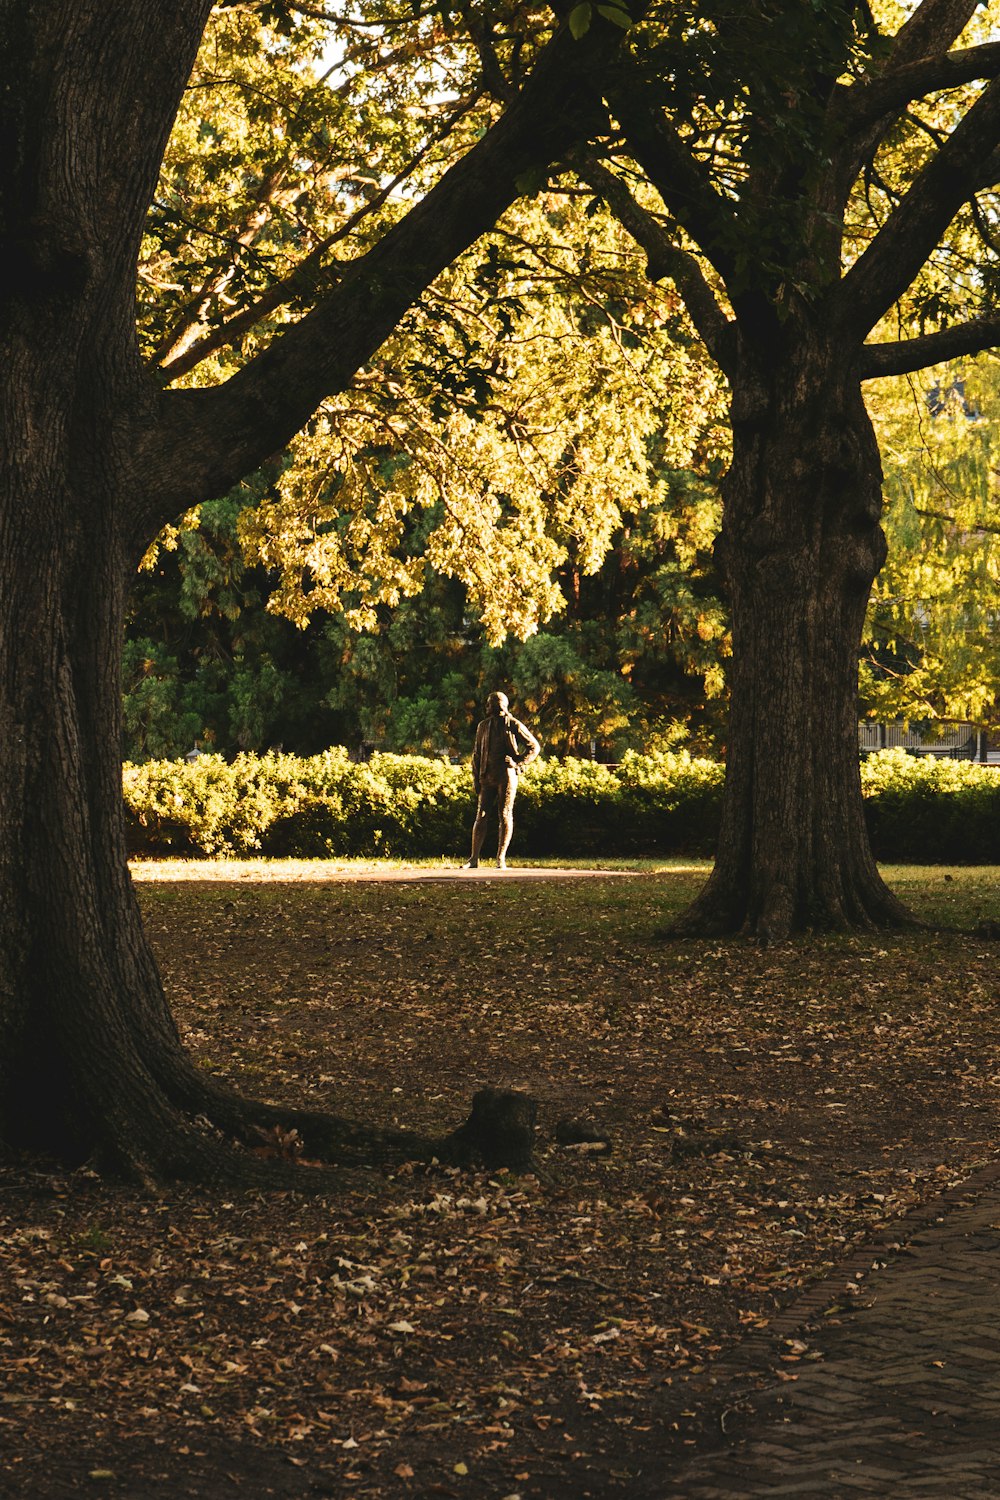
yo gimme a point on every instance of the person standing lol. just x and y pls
(503, 746)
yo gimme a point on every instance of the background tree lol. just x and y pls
(932, 645)
(634, 658)
(800, 174)
(498, 438)
(592, 674)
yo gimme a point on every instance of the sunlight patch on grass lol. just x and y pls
(373, 869)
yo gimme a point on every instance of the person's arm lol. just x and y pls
(477, 759)
(525, 734)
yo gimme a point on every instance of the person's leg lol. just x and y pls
(505, 805)
(478, 829)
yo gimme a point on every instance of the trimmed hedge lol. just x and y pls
(407, 806)
(928, 811)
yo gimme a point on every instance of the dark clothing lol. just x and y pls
(498, 743)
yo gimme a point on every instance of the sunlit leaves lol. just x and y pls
(523, 410)
(934, 621)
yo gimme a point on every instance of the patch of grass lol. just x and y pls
(956, 895)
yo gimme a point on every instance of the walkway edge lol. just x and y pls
(758, 1350)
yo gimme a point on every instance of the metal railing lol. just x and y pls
(959, 742)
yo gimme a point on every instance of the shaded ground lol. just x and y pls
(459, 1334)
(893, 1391)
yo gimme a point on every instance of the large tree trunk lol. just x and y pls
(90, 1061)
(800, 548)
(73, 1074)
(91, 1064)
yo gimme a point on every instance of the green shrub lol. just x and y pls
(407, 806)
(929, 811)
(280, 805)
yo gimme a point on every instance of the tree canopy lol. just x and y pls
(472, 413)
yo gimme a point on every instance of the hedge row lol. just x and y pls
(408, 806)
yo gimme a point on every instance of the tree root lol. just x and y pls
(723, 911)
(238, 1142)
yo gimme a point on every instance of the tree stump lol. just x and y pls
(500, 1132)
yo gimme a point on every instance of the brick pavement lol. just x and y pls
(896, 1392)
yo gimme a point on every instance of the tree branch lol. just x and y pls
(666, 259)
(680, 180)
(932, 28)
(928, 34)
(985, 528)
(312, 272)
(907, 355)
(989, 173)
(881, 275)
(192, 315)
(201, 442)
(861, 105)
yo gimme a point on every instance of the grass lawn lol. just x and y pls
(436, 1332)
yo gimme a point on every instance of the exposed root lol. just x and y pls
(328, 1137)
(726, 909)
(498, 1132)
(237, 1142)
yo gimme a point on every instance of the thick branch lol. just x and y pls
(927, 35)
(989, 173)
(864, 104)
(666, 259)
(680, 180)
(931, 349)
(881, 275)
(931, 29)
(204, 441)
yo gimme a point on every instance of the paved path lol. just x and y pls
(490, 872)
(904, 1398)
(250, 870)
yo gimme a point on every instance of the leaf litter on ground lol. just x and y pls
(435, 1331)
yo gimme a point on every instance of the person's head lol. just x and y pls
(496, 703)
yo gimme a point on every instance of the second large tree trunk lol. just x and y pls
(800, 548)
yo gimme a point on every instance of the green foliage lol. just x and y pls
(535, 449)
(924, 809)
(204, 659)
(520, 451)
(634, 658)
(282, 805)
(668, 803)
(933, 634)
(407, 806)
(510, 431)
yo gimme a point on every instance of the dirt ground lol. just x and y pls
(755, 1114)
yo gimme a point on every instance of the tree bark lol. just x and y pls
(800, 547)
